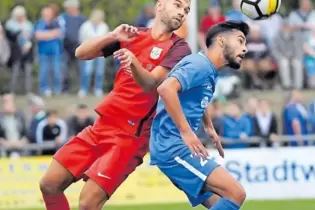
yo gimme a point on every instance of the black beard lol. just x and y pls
(228, 55)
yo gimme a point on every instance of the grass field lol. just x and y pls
(250, 205)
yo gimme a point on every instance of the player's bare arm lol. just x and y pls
(208, 126)
(168, 92)
(148, 81)
(92, 48)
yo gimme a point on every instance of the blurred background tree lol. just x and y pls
(117, 11)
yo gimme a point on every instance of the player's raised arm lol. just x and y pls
(182, 79)
(106, 45)
(149, 81)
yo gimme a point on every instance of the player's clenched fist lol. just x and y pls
(125, 57)
(194, 144)
(125, 33)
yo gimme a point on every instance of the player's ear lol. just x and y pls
(159, 5)
(220, 41)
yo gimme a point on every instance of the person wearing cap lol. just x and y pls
(22, 55)
(212, 17)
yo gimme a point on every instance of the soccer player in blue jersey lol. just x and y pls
(184, 97)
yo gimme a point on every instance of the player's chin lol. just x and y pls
(236, 64)
(176, 25)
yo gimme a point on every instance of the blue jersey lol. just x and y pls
(197, 76)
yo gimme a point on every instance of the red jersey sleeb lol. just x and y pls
(115, 145)
(127, 104)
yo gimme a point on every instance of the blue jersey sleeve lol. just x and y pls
(39, 26)
(190, 74)
(292, 114)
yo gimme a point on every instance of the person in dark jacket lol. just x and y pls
(80, 120)
(265, 123)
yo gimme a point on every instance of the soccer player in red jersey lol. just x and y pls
(107, 152)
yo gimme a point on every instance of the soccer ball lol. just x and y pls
(260, 9)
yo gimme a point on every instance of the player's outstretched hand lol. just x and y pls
(216, 141)
(124, 56)
(125, 33)
(194, 144)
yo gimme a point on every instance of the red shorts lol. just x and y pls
(103, 152)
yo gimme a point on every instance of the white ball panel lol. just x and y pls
(249, 10)
(263, 6)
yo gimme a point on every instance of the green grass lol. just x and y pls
(250, 205)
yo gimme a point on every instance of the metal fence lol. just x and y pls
(37, 149)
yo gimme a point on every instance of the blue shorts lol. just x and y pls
(189, 174)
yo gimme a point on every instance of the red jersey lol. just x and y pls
(207, 22)
(127, 104)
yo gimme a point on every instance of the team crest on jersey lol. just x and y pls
(156, 53)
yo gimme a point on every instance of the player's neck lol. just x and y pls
(216, 59)
(160, 32)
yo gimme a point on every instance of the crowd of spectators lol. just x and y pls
(36, 125)
(279, 47)
(51, 42)
(235, 123)
(255, 119)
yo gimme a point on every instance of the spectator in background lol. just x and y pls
(12, 126)
(311, 114)
(251, 110)
(235, 13)
(70, 23)
(288, 53)
(94, 27)
(212, 17)
(309, 60)
(295, 119)
(216, 118)
(146, 17)
(36, 106)
(80, 120)
(4, 46)
(257, 61)
(270, 27)
(235, 127)
(265, 123)
(22, 28)
(51, 129)
(302, 20)
(48, 35)
(252, 107)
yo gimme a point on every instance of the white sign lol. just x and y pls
(267, 174)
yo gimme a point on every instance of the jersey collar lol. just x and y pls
(203, 54)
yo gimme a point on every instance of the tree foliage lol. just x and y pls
(117, 11)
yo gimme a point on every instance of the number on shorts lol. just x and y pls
(203, 161)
